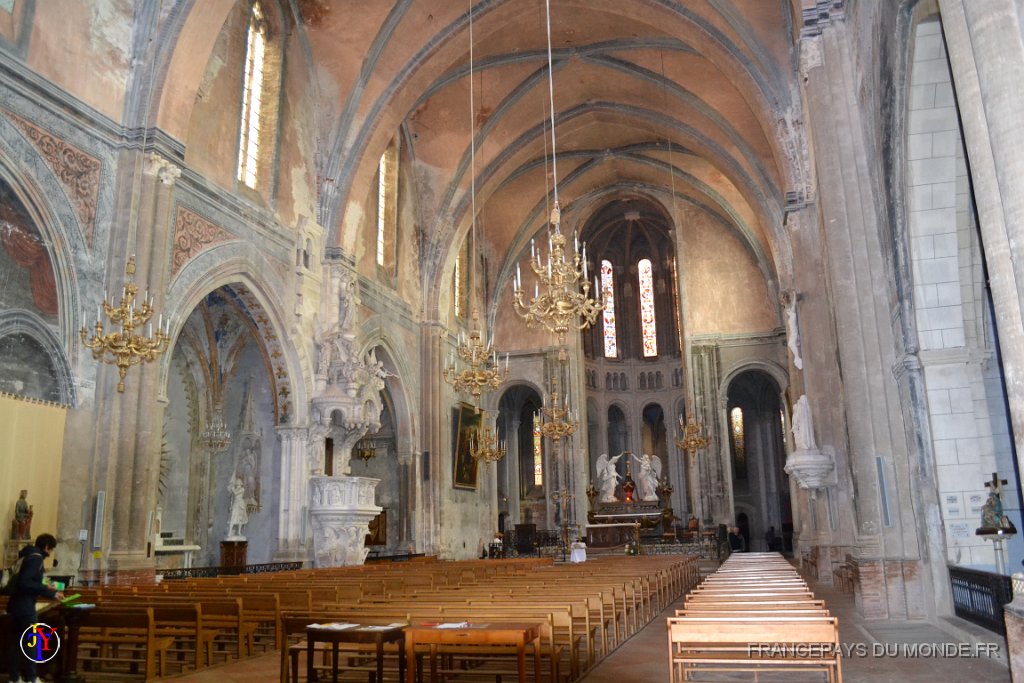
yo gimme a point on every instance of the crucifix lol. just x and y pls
(996, 484)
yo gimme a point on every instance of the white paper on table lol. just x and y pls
(458, 624)
(333, 626)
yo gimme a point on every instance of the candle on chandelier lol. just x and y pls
(575, 241)
(533, 250)
(97, 313)
(519, 277)
(506, 363)
(536, 290)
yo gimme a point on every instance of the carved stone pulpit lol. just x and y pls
(340, 512)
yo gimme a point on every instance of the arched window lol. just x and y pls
(252, 97)
(611, 347)
(387, 207)
(738, 442)
(457, 287)
(538, 452)
(646, 282)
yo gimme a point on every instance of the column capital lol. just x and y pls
(156, 165)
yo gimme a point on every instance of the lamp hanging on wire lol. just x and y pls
(561, 294)
(483, 371)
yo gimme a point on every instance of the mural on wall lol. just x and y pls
(28, 306)
(226, 373)
(25, 268)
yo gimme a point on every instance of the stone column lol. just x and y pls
(294, 494)
(512, 458)
(141, 412)
(987, 60)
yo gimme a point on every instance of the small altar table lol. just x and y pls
(472, 633)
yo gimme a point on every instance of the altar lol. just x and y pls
(609, 535)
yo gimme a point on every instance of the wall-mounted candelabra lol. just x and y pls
(124, 348)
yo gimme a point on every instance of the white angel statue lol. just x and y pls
(608, 476)
(647, 477)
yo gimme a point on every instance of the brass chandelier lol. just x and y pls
(483, 372)
(124, 348)
(557, 420)
(692, 436)
(561, 294)
(485, 445)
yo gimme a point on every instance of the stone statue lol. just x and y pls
(608, 477)
(992, 512)
(346, 301)
(803, 429)
(647, 476)
(789, 299)
(21, 525)
(238, 516)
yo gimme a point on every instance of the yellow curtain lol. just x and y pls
(31, 447)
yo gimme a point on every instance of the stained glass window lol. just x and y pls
(538, 453)
(738, 442)
(252, 97)
(647, 323)
(611, 347)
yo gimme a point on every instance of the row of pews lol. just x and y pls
(584, 611)
(754, 614)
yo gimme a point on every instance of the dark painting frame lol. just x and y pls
(466, 421)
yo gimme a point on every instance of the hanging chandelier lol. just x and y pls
(561, 293)
(485, 446)
(216, 436)
(557, 421)
(483, 372)
(365, 449)
(692, 436)
(123, 347)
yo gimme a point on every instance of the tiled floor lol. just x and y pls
(880, 652)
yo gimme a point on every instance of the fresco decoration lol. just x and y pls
(77, 171)
(274, 358)
(26, 271)
(26, 369)
(193, 234)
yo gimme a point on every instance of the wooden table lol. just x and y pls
(377, 634)
(516, 634)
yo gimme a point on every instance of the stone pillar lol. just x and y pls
(512, 460)
(987, 60)
(340, 512)
(140, 408)
(294, 494)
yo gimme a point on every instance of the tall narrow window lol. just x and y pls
(739, 447)
(650, 334)
(252, 97)
(538, 453)
(387, 209)
(459, 313)
(611, 347)
(382, 206)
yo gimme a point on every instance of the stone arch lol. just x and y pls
(26, 323)
(206, 273)
(43, 197)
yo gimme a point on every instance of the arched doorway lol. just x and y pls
(757, 456)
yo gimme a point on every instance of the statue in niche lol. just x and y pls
(789, 299)
(21, 525)
(608, 476)
(238, 516)
(647, 476)
(803, 429)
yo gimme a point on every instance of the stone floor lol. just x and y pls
(879, 652)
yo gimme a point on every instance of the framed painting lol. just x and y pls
(465, 420)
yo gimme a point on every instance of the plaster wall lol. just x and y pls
(84, 47)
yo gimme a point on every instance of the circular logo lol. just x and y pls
(40, 643)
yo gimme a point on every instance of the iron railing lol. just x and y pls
(979, 597)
